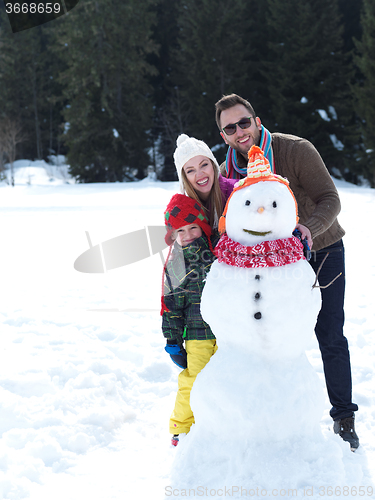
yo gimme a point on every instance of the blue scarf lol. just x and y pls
(233, 171)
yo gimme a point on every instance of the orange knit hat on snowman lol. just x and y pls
(258, 170)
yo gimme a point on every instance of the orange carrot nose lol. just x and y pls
(261, 209)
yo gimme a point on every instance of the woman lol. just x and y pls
(199, 176)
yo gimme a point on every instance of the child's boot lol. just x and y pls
(175, 439)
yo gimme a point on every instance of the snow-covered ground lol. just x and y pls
(86, 389)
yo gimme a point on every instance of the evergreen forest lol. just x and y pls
(111, 84)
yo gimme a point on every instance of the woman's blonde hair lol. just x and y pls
(214, 205)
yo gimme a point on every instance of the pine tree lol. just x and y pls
(104, 46)
(166, 123)
(364, 90)
(308, 76)
(350, 10)
(215, 55)
(28, 87)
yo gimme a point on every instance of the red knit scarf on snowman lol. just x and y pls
(266, 254)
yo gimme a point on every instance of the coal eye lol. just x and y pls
(247, 202)
(274, 204)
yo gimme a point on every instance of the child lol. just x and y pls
(185, 271)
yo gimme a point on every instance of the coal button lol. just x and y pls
(257, 315)
(257, 296)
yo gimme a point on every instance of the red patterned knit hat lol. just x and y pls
(182, 211)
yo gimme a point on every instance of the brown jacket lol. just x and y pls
(316, 195)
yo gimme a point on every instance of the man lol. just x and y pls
(318, 204)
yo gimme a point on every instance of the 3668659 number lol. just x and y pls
(33, 8)
(346, 491)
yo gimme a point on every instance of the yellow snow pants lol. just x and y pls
(199, 353)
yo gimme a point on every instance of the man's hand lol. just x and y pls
(305, 233)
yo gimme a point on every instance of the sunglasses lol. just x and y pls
(232, 127)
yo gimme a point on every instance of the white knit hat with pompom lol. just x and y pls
(187, 148)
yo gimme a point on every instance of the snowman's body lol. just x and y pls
(261, 352)
(261, 304)
(259, 390)
(255, 315)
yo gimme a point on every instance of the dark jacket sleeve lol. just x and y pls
(173, 322)
(317, 196)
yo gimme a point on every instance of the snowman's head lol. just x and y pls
(261, 212)
(261, 207)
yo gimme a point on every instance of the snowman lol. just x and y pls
(258, 398)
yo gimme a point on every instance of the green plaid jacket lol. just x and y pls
(184, 281)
